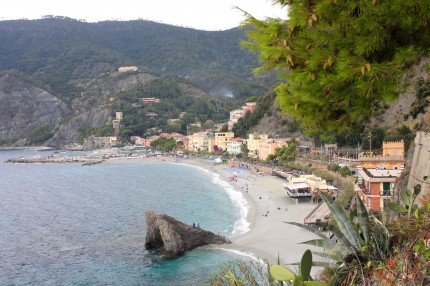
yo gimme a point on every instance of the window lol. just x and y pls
(386, 189)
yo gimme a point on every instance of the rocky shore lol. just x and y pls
(53, 159)
(173, 238)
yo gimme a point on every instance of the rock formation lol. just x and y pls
(173, 238)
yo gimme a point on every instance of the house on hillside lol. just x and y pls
(149, 100)
(200, 141)
(127, 69)
(236, 114)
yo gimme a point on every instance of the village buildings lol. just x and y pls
(268, 147)
(253, 143)
(222, 139)
(392, 157)
(234, 147)
(236, 114)
(377, 174)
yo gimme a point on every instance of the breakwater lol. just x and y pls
(55, 159)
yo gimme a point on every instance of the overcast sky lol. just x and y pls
(199, 14)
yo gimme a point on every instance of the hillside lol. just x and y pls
(31, 115)
(59, 78)
(59, 52)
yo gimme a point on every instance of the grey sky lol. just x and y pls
(200, 14)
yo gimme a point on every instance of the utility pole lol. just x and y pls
(370, 141)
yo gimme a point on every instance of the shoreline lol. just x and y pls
(269, 207)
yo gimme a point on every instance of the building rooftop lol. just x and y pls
(380, 173)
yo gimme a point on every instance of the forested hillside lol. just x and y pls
(61, 52)
(77, 63)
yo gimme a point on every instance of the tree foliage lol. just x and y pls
(339, 60)
(164, 144)
(251, 119)
(40, 134)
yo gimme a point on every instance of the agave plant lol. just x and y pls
(284, 274)
(361, 240)
(408, 198)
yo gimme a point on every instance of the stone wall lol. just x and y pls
(420, 166)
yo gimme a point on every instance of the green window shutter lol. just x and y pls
(386, 189)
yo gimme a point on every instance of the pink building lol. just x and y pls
(268, 147)
(236, 114)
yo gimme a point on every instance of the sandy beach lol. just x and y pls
(269, 208)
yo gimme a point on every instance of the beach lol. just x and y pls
(269, 208)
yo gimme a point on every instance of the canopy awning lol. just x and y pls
(296, 186)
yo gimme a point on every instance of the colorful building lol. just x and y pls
(376, 186)
(234, 147)
(236, 114)
(222, 139)
(200, 141)
(268, 147)
(392, 158)
(253, 143)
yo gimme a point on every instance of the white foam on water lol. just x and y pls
(241, 226)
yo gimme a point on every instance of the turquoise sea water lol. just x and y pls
(67, 224)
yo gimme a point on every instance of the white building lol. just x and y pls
(234, 147)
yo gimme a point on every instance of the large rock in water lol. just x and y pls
(173, 238)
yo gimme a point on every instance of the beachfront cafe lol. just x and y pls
(299, 190)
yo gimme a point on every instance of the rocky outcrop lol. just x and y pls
(173, 238)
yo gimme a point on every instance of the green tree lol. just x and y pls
(209, 124)
(224, 128)
(252, 99)
(339, 60)
(287, 153)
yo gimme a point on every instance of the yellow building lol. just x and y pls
(392, 158)
(200, 141)
(395, 148)
(222, 138)
(253, 143)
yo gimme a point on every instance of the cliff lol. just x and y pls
(24, 107)
(173, 238)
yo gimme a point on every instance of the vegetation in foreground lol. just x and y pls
(370, 249)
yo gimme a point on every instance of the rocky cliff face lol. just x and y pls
(25, 107)
(173, 238)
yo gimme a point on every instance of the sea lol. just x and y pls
(67, 224)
